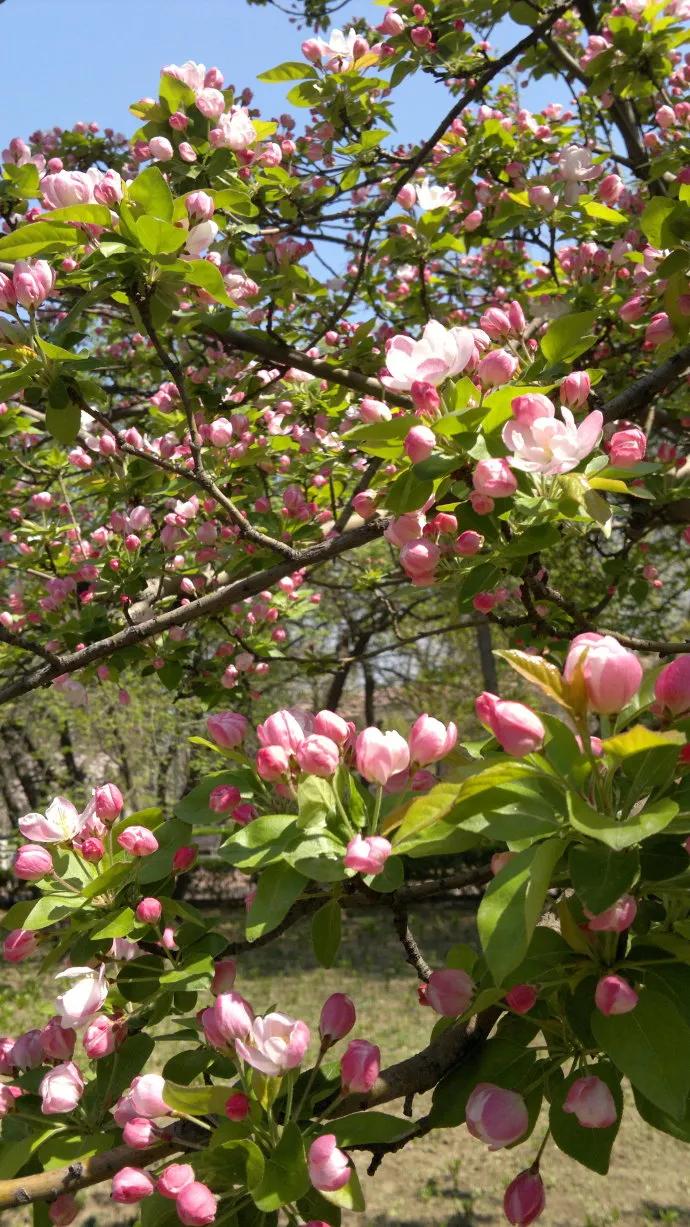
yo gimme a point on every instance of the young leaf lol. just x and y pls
(512, 905)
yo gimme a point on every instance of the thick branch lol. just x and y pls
(637, 395)
(46, 1186)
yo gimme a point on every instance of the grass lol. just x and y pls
(446, 1179)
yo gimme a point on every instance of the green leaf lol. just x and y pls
(292, 70)
(591, 1147)
(279, 887)
(13, 1155)
(63, 424)
(205, 274)
(407, 493)
(114, 1073)
(656, 221)
(159, 237)
(315, 801)
(600, 876)
(370, 1127)
(676, 1127)
(286, 1176)
(12, 382)
(39, 239)
(197, 1100)
(261, 842)
(624, 834)
(39, 913)
(603, 213)
(512, 905)
(326, 930)
(638, 739)
(119, 925)
(651, 1046)
(93, 214)
(423, 812)
(151, 191)
(568, 336)
(537, 671)
(139, 979)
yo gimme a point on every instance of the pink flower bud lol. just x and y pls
(575, 389)
(92, 849)
(517, 317)
(659, 330)
(499, 860)
(130, 1185)
(515, 726)
(184, 858)
(612, 674)
(148, 911)
(223, 798)
(58, 1041)
(174, 1179)
(419, 443)
(200, 206)
(522, 997)
(329, 724)
(497, 367)
(272, 762)
(496, 1116)
(610, 189)
(237, 1107)
(368, 854)
(364, 503)
(32, 862)
(109, 802)
(359, 1066)
(496, 323)
(614, 995)
(407, 195)
(318, 755)
(338, 1017)
(33, 281)
(371, 410)
(616, 919)
(627, 447)
(425, 397)
(468, 543)
(63, 1210)
(227, 728)
(224, 975)
(27, 1050)
(541, 197)
(139, 1133)
(430, 740)
(19, 945)
(139, 841)
(449, 991)
(196, 1205)
(232, 1016)
(524, 1199)
(61, 1089)
(147, 1096)
(419, 559)
(591, 1101)
(672, 686)
(380, 755)
(329, 1168)
(161, 149)
(494, 478)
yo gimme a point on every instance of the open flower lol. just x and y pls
(548, 445)
(276, 1044)
(441, 353)
(431, 196)
(86, 991)
(60, 823)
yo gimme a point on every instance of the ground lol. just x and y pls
(447, 1179)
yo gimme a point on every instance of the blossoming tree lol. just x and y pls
(249, 361)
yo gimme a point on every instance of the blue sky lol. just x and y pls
(91, 58)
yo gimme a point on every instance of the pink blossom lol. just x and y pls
(591, 1101)
(440, 354)
(494, 478)
(359, 1066)
(318, 755)
(367, 854)
(61, 1089)
(137, 840)
(196, 1205)
(338, 1017)
(430, 740)
(276, 1044)
(524, 1199)
(131, 1185)
(173, 1179)
(449, 991)
(613, 995)
(84, 995)
(59, 824)
(549, 445)
(380, 755)
(515, 726)
(672, 686)
(495, 1115)
(329, 1168)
